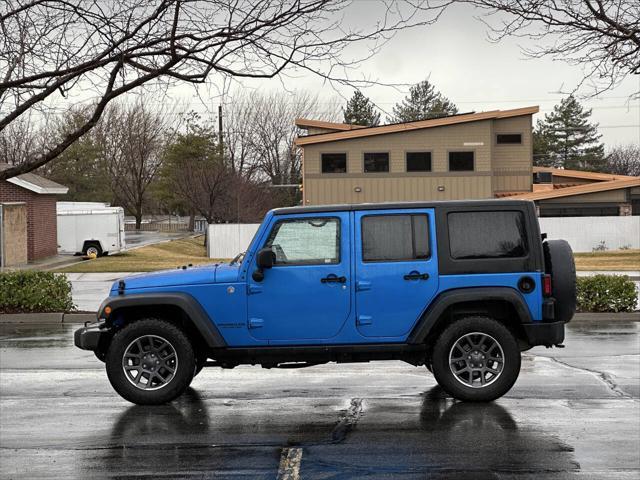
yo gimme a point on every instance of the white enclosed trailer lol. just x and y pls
(90, 228)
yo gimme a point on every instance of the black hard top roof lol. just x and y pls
(492, 203)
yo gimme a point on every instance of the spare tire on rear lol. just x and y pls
(559, 264)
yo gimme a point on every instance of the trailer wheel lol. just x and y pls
(92, 249)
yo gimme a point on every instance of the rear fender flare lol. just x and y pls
(190, 306)
(449, 298)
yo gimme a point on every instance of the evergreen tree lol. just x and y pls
(566, 138)
(423, 102)
(361, 111)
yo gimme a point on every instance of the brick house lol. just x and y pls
(39, 194)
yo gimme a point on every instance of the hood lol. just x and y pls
(179, 277)
(226, 273)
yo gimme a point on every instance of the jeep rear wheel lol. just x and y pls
(150, 362)
(476, 359)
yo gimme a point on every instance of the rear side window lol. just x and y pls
(389, 238)
(306, 241)
(487, 235)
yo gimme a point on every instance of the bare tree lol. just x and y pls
(132, 139)
(602, 36)
(624, 160)
(274, 132)
(51, 50)
(21, 141)
(238, 135)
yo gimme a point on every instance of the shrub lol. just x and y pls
(31, 291)
(606, 293)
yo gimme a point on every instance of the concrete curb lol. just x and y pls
(78, 317)
(31, 317)
(46, 318)
(622, 316)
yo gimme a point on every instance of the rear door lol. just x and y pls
(396, 269)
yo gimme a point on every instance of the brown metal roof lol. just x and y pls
(508, 194)
(306, 123)
(579, 190)
(408, 126)
(596, 176)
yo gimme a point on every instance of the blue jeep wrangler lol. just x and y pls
(459, 287)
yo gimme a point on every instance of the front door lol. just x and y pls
(396, 269)
(305, 295)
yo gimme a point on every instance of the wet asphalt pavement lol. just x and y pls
(574, 413)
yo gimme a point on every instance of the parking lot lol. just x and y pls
(572, 414)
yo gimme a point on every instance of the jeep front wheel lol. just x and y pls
(476, 359)
(150, 362)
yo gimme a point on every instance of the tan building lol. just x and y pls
(468, 156)
(460, 157)
(573, 193)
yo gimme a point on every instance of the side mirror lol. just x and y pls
(264, 259)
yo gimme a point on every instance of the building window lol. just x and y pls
(509, 139)
(461, 161)
(487, 235)
(418, 161)
(394, 238)
(376, 162)
(334, 163)
(306, 241)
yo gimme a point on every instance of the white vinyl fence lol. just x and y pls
(226, 240)
(586, 233)
(583, 234)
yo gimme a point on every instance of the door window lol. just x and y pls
(389, 238)
(306, 241)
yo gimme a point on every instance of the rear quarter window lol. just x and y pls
(497, 234)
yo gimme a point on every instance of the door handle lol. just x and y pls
(416, 276)
(333, 279)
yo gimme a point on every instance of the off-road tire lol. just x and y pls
(200, 361)
(489, 327)
(185, 361)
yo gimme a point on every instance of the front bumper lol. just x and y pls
(544, 333)
(92, 336)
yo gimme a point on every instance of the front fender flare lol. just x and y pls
(461, 295)
(188, 304)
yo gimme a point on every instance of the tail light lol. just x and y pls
(546, 285)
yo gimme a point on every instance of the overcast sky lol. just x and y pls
(470, 70)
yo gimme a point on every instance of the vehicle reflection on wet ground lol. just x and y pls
(572, 414)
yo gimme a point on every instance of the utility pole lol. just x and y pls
(220, 146)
